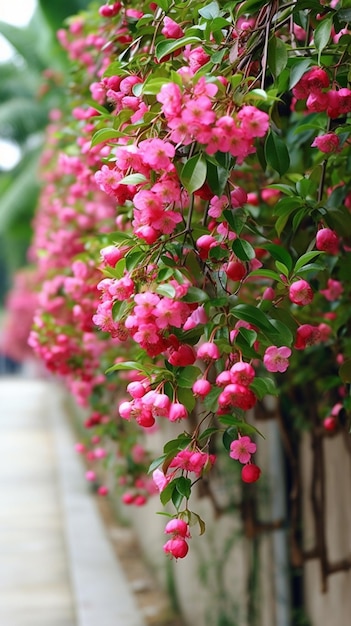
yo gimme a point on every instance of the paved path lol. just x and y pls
(57, 567)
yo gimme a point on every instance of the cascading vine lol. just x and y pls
(193, 237)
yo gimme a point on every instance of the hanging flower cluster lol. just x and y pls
(193, 234)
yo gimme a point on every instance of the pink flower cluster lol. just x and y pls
(236, 391)
(314, 87)
(177, 546)
(191, 116)
(146, 405)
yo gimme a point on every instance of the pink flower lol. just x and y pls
(157, 153)
(307, 335)
(301, 293)
(333, 291)
(242, 448)
(327, 143)
(254, 122)
(242, 373)
(170, 97)
(237, 395)
(276, 359)
(161, 481)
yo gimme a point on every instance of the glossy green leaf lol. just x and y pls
(104, 134)
(128, 366)
(279, 254)
(193, 174)
(276, 153)
(166, 290)
(322, 33)
(133, 179)
(186, 376)
(194, 294)
(277, 56)
(306, 258)
(243, 250)
(252, 315)
(167, 46)
(298, 69)
(210, 11)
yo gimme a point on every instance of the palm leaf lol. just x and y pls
(25, 43)
(20, 117)
(19, 199)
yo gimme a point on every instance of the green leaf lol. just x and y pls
(284, 335)
(186, 397)
(211, 400)
(133, 259)
(133, 179)
(163, 4)
(235, 220)
(174, 445)
(298, 70)
(104, 134)
(305, 258)
(183, 486)
(249, 335)
(210, 11)
(277, 56)
(166, 494)
(282, 268)
(276, 153)
(166, 290)
(207, 433)
(229, 435)
(243, 250)
(194, 294)
(156, 463)
(153, 86)
(266, 273)
(193, 174)
(252, 315)
(217, 178)
(279, 254)
(322, 34)
(186, 376)
(128, 365)
(167, 46)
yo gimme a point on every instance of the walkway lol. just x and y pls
(57, 567)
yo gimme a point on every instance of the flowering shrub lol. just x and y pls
(194, 230)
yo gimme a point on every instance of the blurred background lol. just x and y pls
(31, 67)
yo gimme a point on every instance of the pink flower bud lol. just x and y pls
(111, 255)
(327, 240)
(208, 351)
(176, 547)
(178, 527)
(201, 388)
(250, 473)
